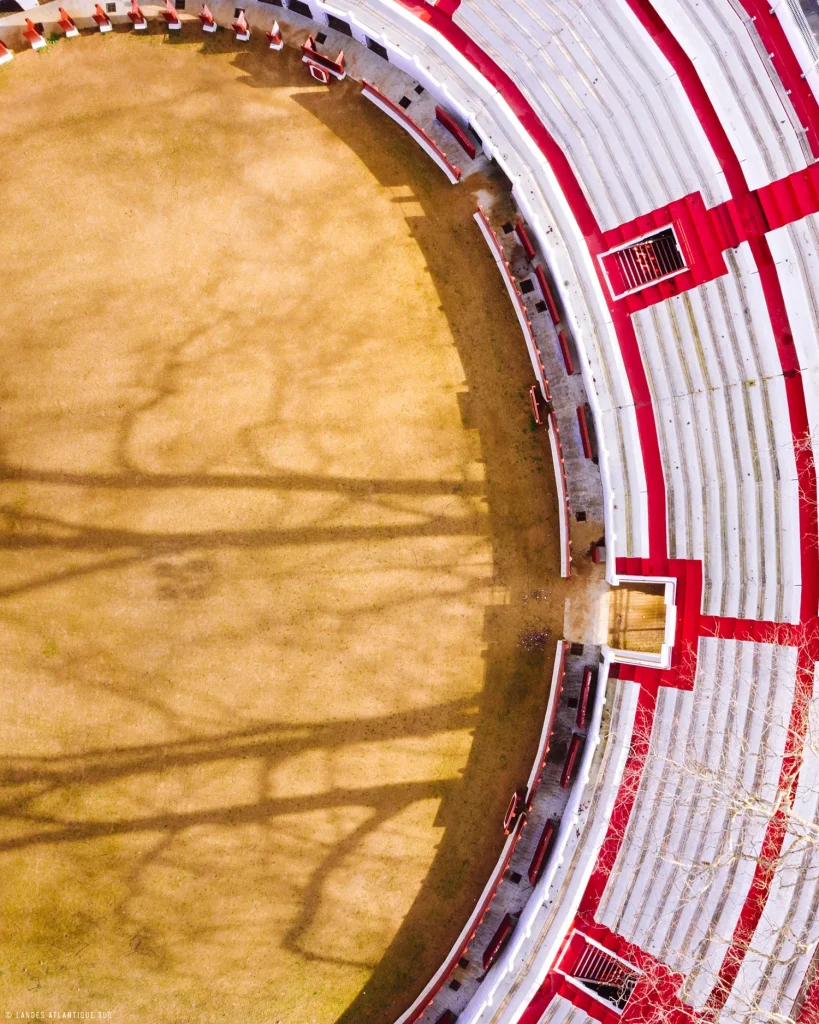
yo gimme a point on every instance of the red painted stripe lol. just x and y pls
(624, 804)
(786, 64)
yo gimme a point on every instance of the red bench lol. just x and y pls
(455, 130)
(525, 240)
(583, 706)
(571, 758)
(497, 942)
(568, 362)
(585, 437)
(540, 274)
(541, 851)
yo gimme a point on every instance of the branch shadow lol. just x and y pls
(505, 716)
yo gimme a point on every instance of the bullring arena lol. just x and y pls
(411, 564)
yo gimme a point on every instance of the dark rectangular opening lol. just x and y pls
(527, 286)
(321, 38)
(576, 649)
(339, 25)
(404, 102)
(611, 979)
(300, 8)
(377, 48)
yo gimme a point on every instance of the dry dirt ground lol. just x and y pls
(271, 504)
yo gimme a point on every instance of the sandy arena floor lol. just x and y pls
(271, 505)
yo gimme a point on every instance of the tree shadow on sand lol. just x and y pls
(506, 715)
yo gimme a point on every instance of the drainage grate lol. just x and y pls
(643, 262)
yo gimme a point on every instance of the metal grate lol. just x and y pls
(650, 260)
(610, 978)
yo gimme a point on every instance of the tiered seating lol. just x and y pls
(795, 250)
(611, 103)
(785, 940)
(690, 851)
(561, 1011)
(726, 442)
(739, 85)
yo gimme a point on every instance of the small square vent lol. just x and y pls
(643, 262)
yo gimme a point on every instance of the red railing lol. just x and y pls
(413, 128)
